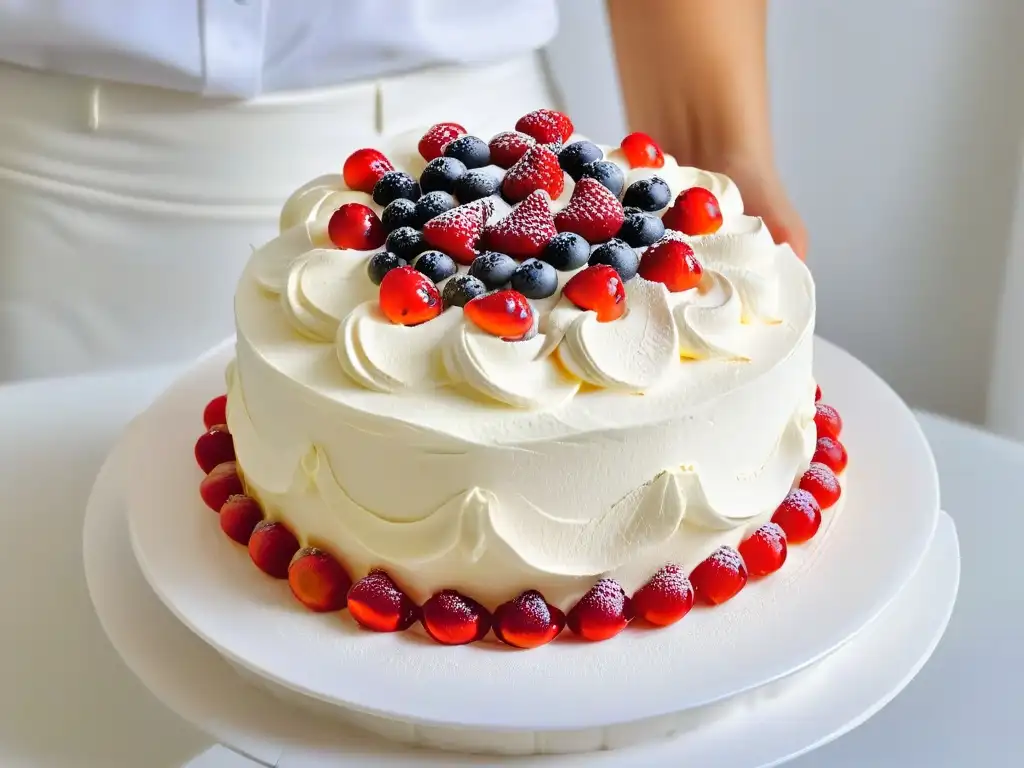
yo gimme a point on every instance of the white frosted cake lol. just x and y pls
(530, 367)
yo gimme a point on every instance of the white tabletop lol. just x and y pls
(67, 700)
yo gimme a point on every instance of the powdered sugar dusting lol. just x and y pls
(606, 597)
(527, 228)
(670, 580)
(727, 557)
(593, 211)
(772, 532)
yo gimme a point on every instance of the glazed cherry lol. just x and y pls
(828, 421)
(672, 263)
(220, 485)
(764, 551)
(239, 516)
(642, 151)
(695, 212)
(356, 227)
(720, 577)
(799, 516)
(507, 314)
(216, 412)
(318, 580)
(363, 169)
(601, 613)
(408, 297)
(527, 621)
(821, 483)
(666, 598)
(214, 446)
(600, 289)
(831, 453)
(272, 547)
(454, 619)
(377, 604)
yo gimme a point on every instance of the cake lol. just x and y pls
(520, 383)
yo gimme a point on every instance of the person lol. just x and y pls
(146, 147)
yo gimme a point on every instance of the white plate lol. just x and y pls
(827, 592)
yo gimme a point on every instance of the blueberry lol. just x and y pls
(382, 263)
(430, 205)
(535, 279)
(573, 157)
(566, 251)
(493, 269)
(406, 243)
(399, 213)
(475, 185)
(473, 152)
(435, 265)
(441, 174)
(650, 194)
(461, 290)
(641, 229)
(394, 185)
(619, 256)
(608, 173)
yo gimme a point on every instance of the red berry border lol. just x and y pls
(323, 584)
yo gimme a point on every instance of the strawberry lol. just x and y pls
(508, 147)
(666, 598)
(239, 515)
(526, 229)
(454, 619)
(822, 484)
(601, 613)
(817, 393)
(537, 169)
(507, 314)
(600, 289)
(376, 603)
(408, 297)
(272, 547)
(527, 621)
(671, 262)
(214, 446)
(642, 151)
(220, 485)
(363, 169)
(828, 421)
(593, 212)
(216, 411)
(720, 577)
(437, 137)
(318, 580)
(799, 516)
(764, 551)
(457, 231)
(546, 126)
(695, 212)
(356, 227)
(831, 453)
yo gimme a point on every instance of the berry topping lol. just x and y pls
(239, 516)
(394, 185)
(457, 232)
(831, 453)
(214, 446)
(471, 151)
(764, 551)
(526, 229)
(527, 621)
(650, 194)
(593, 212)
(574, 156)
(828, 421)
(507, 147)
(382, 263)
(672, 263)
(408, 297)
(535, 279)
(216, 411)
(477, 184)
(430, 205)
(435, 265)
(600, 289)
(640, 229)
(695, 212)
(817, 393)
(642, 151)
(318, 581)
(363, 169)
(720, 577)
(619, 256)
(537, 169)
(546, 125)
(406, 243)
(356, 227)
(441, 174)
(493, 269)
(398, 213)
(453, 619)
(799, 516)
(607, 174)
(566, 251)
(505, 313)
(822, 484)
(220, 485)
(666, 598)
(436, 139)
(376, 603)
(461, 290)
(272, 547)
(601, 613)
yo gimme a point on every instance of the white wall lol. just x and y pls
(898, 127)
